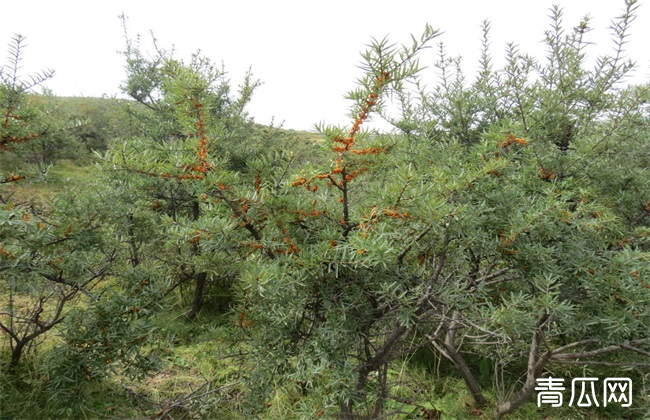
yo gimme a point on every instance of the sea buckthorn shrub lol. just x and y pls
(501, 225)
(196, 141)
(504, 224)
(35, 131)
(66, 316)
(20, 122)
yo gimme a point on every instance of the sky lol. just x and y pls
(306, 53)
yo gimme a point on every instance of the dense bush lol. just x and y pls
(503, 225)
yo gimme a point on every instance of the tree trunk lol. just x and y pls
(201, 278)
(507, 407)
(347, 408)
(459, 362)
(536, 364)
(135, 259)
(346, 411)
(16, 353)
(197, 299)
(448, 349)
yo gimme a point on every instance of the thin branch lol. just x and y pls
(575, 344)
(592, 353)
(597, 363)
(635, 349)
(400, 257)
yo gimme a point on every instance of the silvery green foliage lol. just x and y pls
(506, 218)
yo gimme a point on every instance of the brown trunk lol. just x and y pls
(201, 278)
(16, 353)
(468, 377)
(197, 299)
(448, 349)
(508, 407)
(135, 259)
(459, 362)
(346, 411)
(536, 365)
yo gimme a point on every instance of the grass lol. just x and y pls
(192, 360)
(196, 374)
(36, 191)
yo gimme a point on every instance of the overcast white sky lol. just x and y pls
(305, 52)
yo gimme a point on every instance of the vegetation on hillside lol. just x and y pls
(194, 264)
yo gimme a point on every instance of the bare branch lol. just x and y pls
(635, 349)
(594, 353)
(597, 363)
